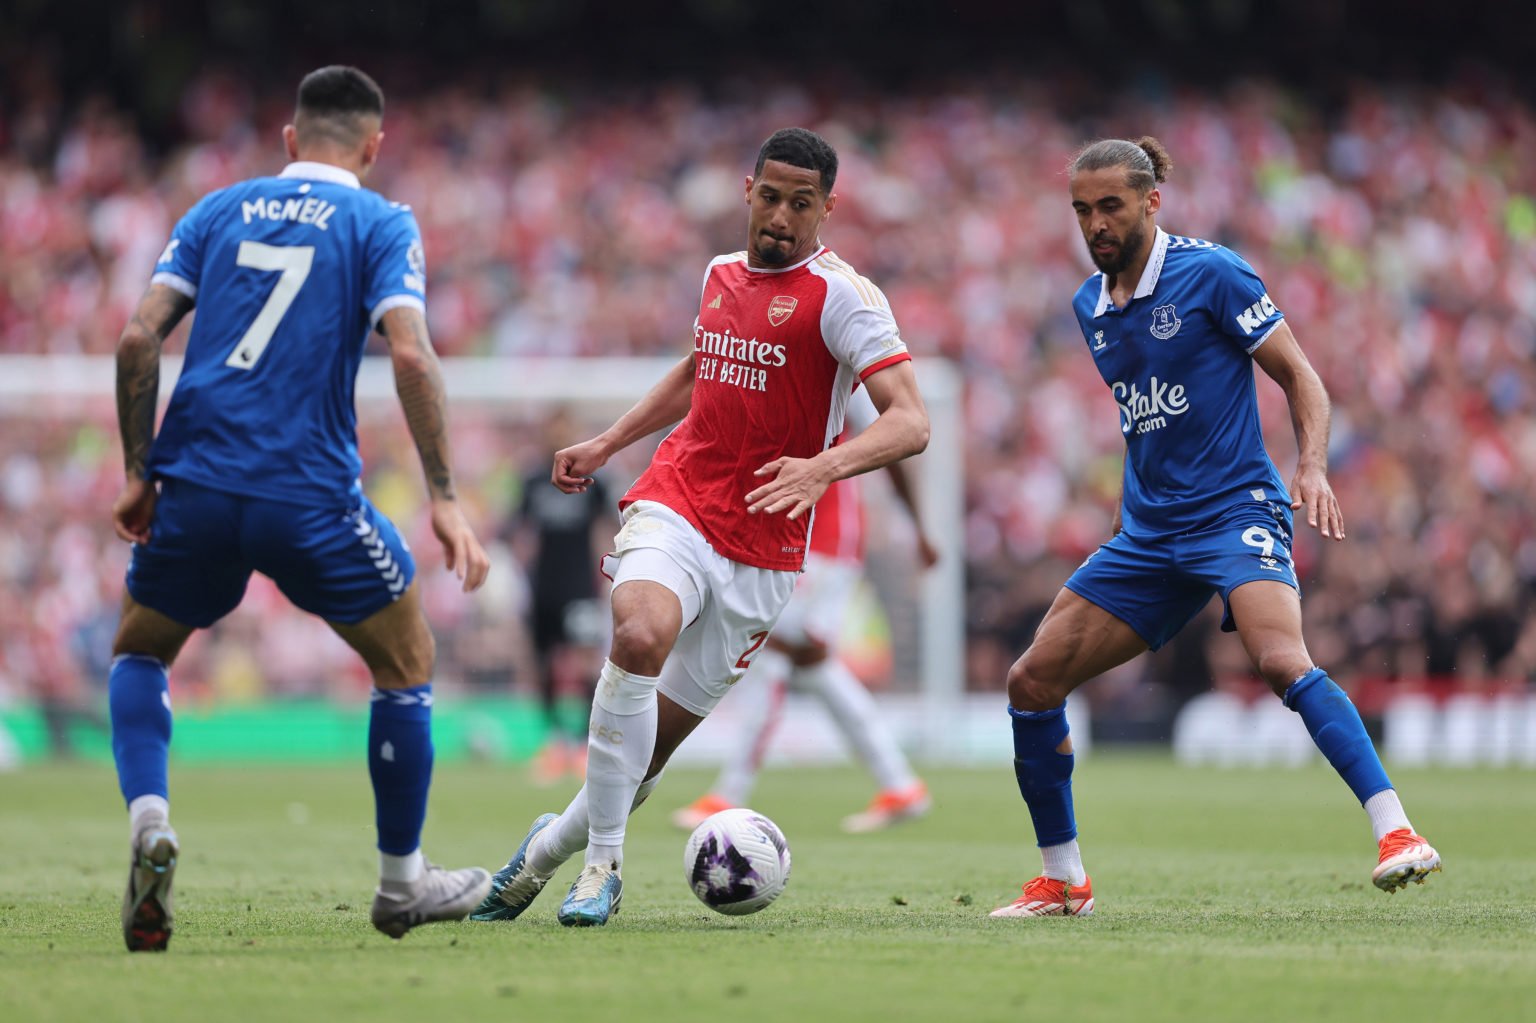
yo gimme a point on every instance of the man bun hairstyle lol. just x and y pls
(800, 147)
(1146, 162)
(333, 101)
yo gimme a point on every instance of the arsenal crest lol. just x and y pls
(781, 308)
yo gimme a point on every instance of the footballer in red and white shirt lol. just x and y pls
(717, 528)
(777, 353)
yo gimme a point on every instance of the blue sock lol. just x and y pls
(1338, 731)
(1045, 776)
(400, 764)
(139, 698)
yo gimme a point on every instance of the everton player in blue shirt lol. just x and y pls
(1175, 326)
(256, 468)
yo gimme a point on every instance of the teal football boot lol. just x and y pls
(515, 886)
(593, 898)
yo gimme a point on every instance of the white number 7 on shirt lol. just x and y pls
(293, 261)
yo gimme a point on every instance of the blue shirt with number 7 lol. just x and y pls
(289, 274)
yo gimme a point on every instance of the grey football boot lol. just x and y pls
(147, 911)
(438, 894)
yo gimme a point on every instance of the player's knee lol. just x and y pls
(138, 633)
(1279, 666)
(811, 652)
(126, 642)
(409, 662)
(641, 645)
(1032, 685)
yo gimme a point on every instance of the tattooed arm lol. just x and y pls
(419, 384)
(138, 392)
(138, 370)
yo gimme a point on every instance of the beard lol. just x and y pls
(773, 251)
(1116, 262)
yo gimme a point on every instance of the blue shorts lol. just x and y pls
(341, 563)
(1156, 585)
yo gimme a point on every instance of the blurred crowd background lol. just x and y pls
(1392, 216)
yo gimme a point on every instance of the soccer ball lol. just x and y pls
(736, 862)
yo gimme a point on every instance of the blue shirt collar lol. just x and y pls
(1149, 274)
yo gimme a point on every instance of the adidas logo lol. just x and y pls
(716, 303)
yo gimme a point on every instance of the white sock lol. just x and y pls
(620, 742)
(858, 718)
(146, 810)
(566, 835)
(1386, 813)
(644, 791)
(761, 706)
(1064, 862)
(404, 869)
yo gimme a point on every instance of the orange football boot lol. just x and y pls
(891, 806)
(700, 810)
(1046, 896)
(1404, 857)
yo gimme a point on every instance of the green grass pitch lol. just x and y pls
(1238, 895)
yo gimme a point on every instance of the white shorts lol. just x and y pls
(816, 611)
(728, 608)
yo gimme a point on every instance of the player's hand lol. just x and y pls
(133, 510)
(1310, 489)
(927, 553)
(462, 553)
(796, 484)
(574, 466)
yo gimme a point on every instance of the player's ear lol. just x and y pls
(748, 191)
(831, 202)
(1154, 201)
(371, 148)
(291, 141)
